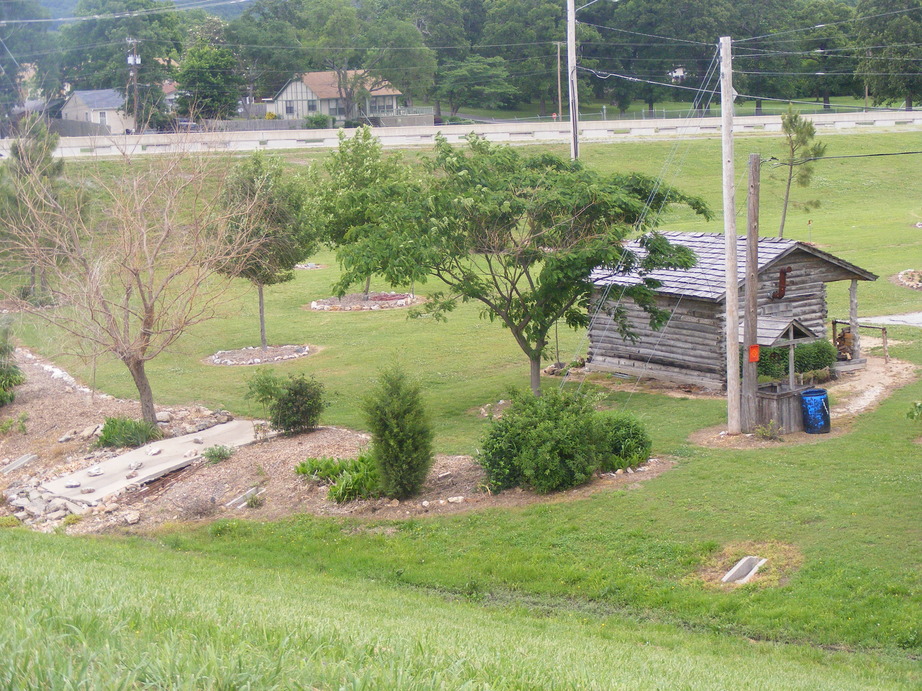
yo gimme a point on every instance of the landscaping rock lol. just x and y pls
(164, 416)
(55, 515)
(455, 500)
(132, 517)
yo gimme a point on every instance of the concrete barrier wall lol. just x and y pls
(122, 145)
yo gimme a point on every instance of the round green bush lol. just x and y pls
(621, 441)
(298, 405)
(545, 443)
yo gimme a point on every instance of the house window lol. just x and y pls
(86, 116)
(102, 117)
(312, 106)
(289, 108)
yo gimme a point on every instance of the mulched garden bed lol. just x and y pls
(254, 355)
(356, 302)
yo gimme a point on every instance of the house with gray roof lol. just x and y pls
(691, 348)
(103, 107)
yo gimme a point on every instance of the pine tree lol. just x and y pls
(401, 433)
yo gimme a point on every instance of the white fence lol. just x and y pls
(591, 131)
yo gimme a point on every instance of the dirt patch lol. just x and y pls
(783, 561)
(853, 393)
(357, 302)
(54, 404)
(255, 355)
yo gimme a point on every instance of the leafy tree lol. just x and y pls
(535, 24)
(827, 48)
(95, 50)
(521, 235)
(767, 74)
(25, 45)
(893, 38)
(364, 208)
(477, 81)
(254, 36)
(209, 81)
(800, 150)
(697, 24)
(273, 224)
(31, 159)
(401, 434)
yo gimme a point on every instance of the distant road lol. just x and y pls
(525, 132)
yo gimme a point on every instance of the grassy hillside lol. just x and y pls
(109, 614)
(605, 592)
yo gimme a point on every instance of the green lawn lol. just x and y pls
(593, 110)
(598, 593)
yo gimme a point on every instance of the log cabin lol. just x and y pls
(691, 348)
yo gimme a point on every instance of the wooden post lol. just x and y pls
(883, 333)
(853, 318)
(791, 357)
(750, 310)
(559, 90)
(731, 313)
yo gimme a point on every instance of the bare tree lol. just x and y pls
(131, 252)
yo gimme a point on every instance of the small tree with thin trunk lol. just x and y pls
(131, 254)
(521, 235)
(799, 153)
(272, 221)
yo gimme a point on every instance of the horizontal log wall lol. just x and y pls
(686, 350)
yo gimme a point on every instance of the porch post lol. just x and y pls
(853, 319)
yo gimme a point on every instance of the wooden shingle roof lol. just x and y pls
(705, 280)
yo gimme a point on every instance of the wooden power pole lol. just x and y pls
(751, 305)
(732, 282)
(571, 79)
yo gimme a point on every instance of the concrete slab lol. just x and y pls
(19, 463)
(910, 319)
(156, 459)
(745, 569)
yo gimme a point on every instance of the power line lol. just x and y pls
(821, 26)
(195, 5)
(640, 33)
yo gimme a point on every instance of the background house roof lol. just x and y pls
(326, 84)
(100, 99)
(705, 280)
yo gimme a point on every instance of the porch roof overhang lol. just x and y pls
(775, 331)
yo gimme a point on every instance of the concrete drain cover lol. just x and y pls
(744, 570)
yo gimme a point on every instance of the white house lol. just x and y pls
(100, 106)
(318, 92)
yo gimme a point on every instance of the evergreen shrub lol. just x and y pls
(401, 433)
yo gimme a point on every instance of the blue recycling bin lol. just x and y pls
(814, 403)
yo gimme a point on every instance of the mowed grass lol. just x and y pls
(93, 613)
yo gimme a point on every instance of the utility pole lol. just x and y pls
(751, 293)
(559, 90)
(731, 314)
(571, 79)
(134, 62)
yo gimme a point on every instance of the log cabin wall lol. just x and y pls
(687, 350)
